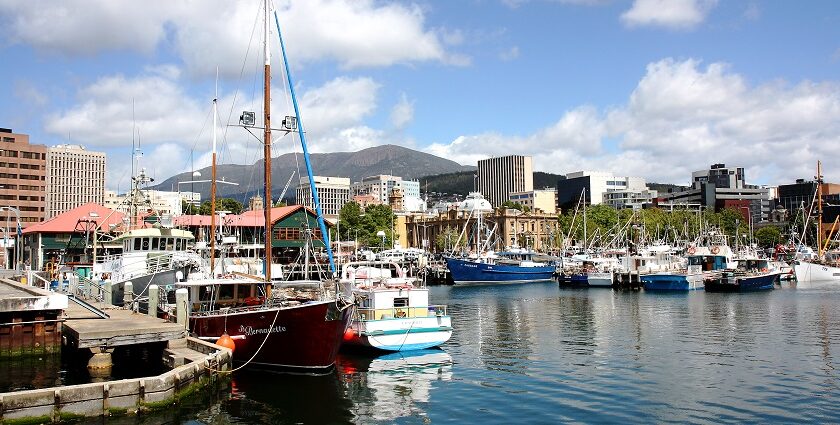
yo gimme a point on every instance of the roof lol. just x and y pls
(68, 222)
(252, 218)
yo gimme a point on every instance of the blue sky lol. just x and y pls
(650, 88)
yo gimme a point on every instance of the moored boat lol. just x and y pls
(504, 267)
(392, 310)
(704, 264)
(752, 274)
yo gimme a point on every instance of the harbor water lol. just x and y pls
(535, 353)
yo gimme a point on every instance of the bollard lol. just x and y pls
(128, 293)
(182, 306)
(108, 296)
(154, 295)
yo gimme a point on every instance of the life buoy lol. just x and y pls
(715, 249)
(400, 314)
(764, 270)
(691, 250)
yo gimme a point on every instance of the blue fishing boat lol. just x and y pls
(704, 265)
(504, 267)
(751, 274)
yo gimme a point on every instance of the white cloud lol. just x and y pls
(509, 54)
(683, 117)
(217, 33)
(673, 14)
(402, 113)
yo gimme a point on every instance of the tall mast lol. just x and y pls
(819, 210)
(267, 143)
(213, 187)
(302, 135)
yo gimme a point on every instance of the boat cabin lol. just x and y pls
(708, 262)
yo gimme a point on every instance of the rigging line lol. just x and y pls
(242, 70)
(201, 132)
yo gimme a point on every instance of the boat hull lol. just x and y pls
(574, 279)
(600, 280)
(407, 334)
(806, 272)
(729, 283)
(671, 282)
(303, 338)
(465, 272)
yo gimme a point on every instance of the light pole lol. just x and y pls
(6, 235)
(381, 234)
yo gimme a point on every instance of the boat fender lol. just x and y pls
(715, 249)
(226, 341)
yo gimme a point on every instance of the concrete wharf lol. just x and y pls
(84, 329)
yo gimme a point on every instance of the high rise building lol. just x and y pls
(594, 187)
(75, 177)
(501, 176)
(22, 179)
(333, 192)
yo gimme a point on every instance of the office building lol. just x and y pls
(722, 187)
(544, 200)
(22, 179)
(75, 177)
(501, 176)
(333, 193)
(594, 185)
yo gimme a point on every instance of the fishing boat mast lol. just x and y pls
(819, 211)
(213, 187)
(267, 141)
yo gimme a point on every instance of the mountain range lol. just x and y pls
(387, 159)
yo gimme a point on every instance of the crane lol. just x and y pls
(286, 187)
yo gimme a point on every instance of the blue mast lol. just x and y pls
(305, 150)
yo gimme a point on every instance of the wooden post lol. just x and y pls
(128, 293)
(108, 296)
(154, 296)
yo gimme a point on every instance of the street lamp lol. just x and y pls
(381, 234)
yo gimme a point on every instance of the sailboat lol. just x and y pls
(273, 325)
(826, 265)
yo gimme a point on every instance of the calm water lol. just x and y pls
(539, 354)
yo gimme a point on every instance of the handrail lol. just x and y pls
(400, 312)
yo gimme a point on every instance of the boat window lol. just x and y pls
(155, 242)
(225, 293)
(137, 242)
(695, 261)
(126, 246)
(400, 302)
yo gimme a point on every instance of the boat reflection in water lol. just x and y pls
(393, 385)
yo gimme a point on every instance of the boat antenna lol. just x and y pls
(301, 133)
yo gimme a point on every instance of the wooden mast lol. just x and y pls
(267, 144)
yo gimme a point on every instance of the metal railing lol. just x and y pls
(400, 312)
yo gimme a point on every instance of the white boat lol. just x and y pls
(828, 268)
(392, 311)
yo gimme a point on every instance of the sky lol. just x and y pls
(648, 88)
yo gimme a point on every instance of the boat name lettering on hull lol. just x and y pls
(250, 331)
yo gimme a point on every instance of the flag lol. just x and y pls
(20, 230)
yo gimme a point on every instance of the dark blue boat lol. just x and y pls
(506, 268)
(751, 275)
(573, 279)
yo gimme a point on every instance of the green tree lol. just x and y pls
(446, 240)
(768, 236)
(515, 206)
(223, 204)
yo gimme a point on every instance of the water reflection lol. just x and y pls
(394, 385)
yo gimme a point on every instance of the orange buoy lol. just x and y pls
(349, 334)
(226, 341)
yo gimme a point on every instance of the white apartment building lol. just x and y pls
(593, 185)
(499, 177)
(333, 193)
(541, 199)
(165, 203)
(382, 186)
(74, 176)
(635, 199)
